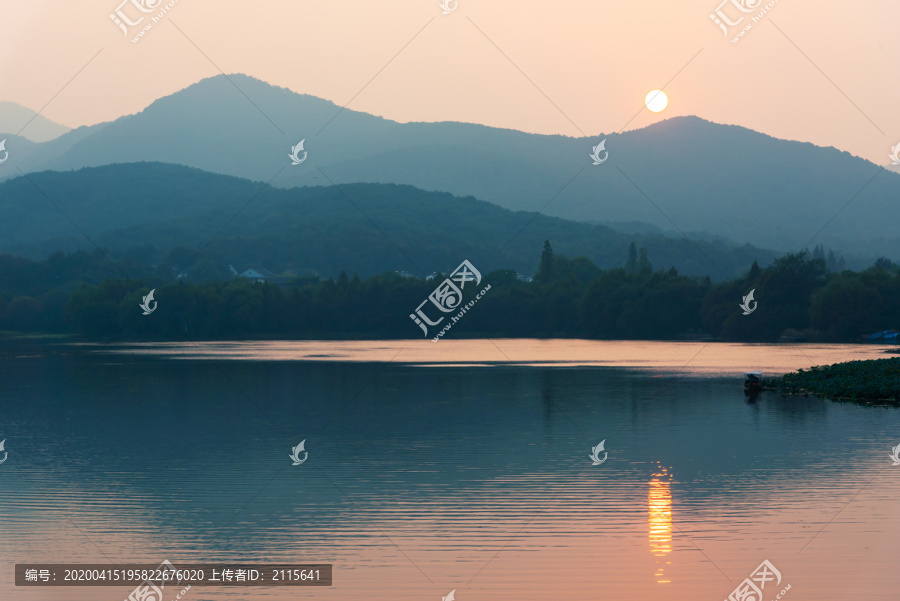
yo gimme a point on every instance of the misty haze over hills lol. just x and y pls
(15, 117)
(682, 175)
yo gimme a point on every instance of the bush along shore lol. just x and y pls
(876, 380)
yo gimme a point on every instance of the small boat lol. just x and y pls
(753, 383)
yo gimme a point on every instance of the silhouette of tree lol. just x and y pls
(545, 271)
(632, 265)
(644, 265)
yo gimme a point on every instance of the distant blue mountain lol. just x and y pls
(15, 118)
(683, 174)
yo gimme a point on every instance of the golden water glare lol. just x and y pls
(659, 511)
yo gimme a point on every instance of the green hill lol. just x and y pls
(157, 213)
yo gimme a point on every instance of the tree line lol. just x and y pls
(798, 296)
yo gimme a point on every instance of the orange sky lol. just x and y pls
(822, 72)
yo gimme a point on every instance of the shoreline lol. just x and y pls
(870, 381)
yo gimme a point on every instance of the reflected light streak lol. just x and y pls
(659, 511)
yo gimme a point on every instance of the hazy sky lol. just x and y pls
(821, 71)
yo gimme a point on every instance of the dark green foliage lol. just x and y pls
(34, 295)
(644, 265)
(851, 304)
(783, 292)
(858, 380)
(545, 271)
(570, 297)
(631, 265)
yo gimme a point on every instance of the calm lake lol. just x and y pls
(457, 465)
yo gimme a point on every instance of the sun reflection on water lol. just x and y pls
(659, 511)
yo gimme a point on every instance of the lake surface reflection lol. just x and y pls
(457, 465)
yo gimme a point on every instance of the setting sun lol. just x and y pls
(656, 101)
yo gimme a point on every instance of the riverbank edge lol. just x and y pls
(866, 381)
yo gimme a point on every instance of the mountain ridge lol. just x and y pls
(368, 228)
(21, 120)
(680, 174)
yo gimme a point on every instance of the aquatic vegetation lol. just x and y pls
(872, 380)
